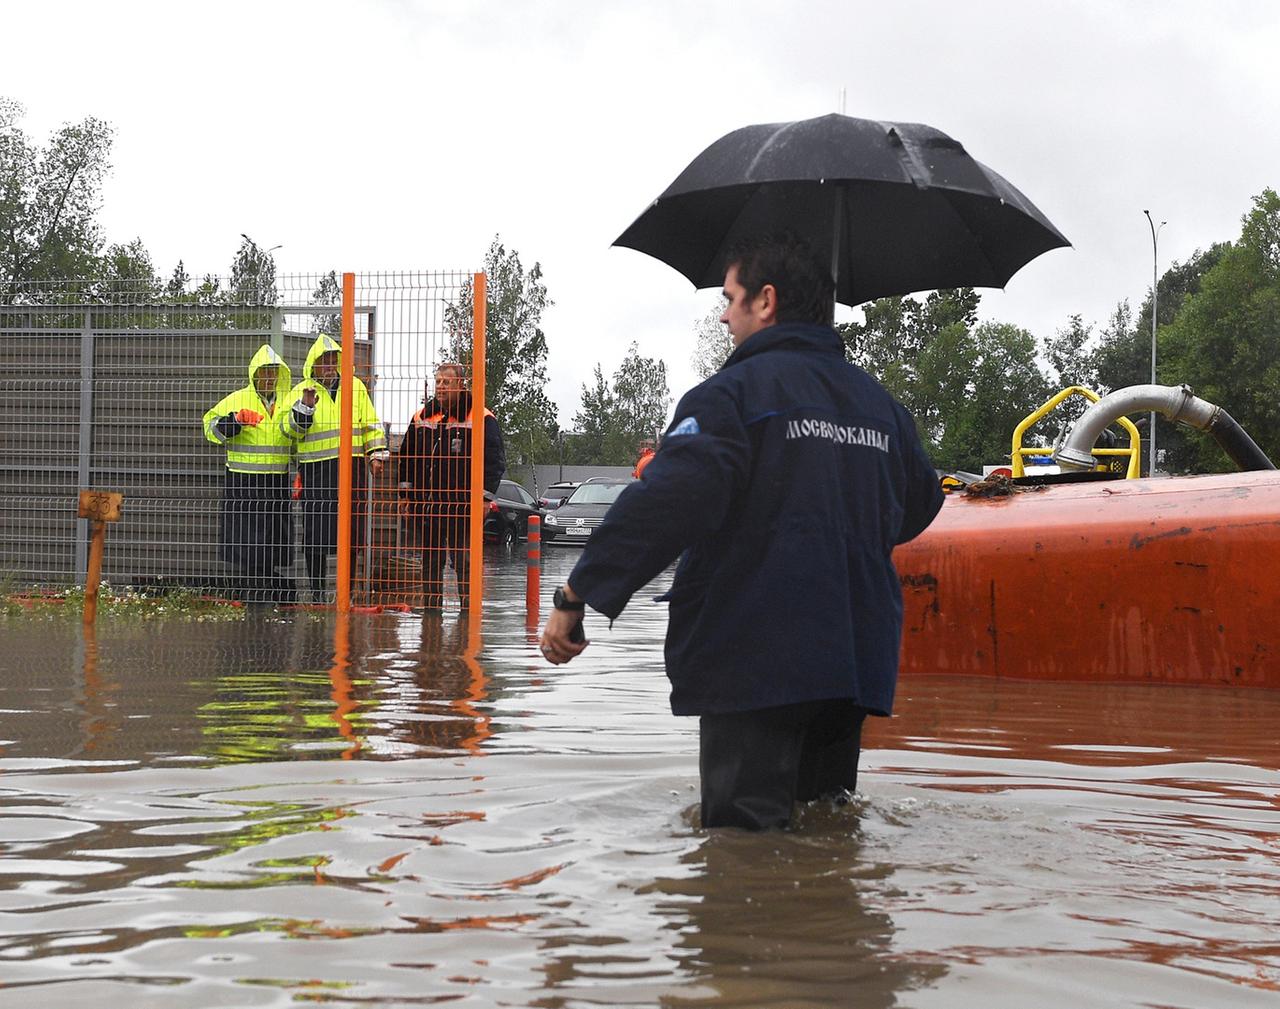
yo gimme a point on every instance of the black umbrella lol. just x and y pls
(901, 206)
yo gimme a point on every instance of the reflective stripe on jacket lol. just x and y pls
(434, 459)
(253, 449)
(320, 438)
(432, 421)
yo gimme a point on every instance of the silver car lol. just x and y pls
(576, 519)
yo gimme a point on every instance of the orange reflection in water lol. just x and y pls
(477, 692)
(1085, 723)
(340, 679)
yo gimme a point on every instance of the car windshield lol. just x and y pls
(597, 493)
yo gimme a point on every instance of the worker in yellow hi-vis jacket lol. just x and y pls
(312, 418)
(256, 519)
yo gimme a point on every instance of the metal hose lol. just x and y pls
(1173, 401)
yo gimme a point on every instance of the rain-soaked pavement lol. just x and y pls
(226, 815)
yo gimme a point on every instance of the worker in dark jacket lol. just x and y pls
(783, 484)
(434, 474)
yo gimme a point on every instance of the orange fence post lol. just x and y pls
(533, 572)
(479, 303)
(342, 598)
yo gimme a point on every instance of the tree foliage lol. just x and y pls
(49, 197)
(977, 384)
(641, 397)
(253, 274)
(129, 267)
(327, 292)
(1122, 356)
(515, 350)
(616, 419)
(712, 342)
(1225, 339)
(592, 440)
(966, 384)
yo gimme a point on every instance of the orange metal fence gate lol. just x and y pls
(411, 505)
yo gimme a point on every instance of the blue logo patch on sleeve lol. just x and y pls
(687, 426)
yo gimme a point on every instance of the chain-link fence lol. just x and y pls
(183, 400)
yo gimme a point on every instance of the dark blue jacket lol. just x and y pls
(786, 479)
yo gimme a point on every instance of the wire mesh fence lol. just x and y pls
(180, 399)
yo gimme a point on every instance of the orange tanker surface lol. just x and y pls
(1169, 580)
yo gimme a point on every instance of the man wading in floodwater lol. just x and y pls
(785, 480)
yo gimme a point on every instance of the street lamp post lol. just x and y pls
(1155, 304)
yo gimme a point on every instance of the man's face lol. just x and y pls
(326, 368)
(744, 315)
(265, 378)
(448, 387)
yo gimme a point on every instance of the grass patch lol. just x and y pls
(181, 604)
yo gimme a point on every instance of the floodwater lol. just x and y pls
(231, 815)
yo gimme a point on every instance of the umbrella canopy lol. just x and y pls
(901, 206)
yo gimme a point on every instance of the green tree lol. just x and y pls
(49, 197)
(641, 398)
(1067, 353)
(515, 350)
(895, 332)
(713, 344)
(1123, 355)
(327, 292)
(974, 387)
(967, 385)
(616, 418)
(593, 442)
(253, 274)
(176, 286)
(1225, 339)
(126, 272)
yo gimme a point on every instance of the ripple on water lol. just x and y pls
(439, 817)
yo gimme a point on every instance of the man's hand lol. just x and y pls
(403, 508)
(557, 646)
(248, 417)
(309, 396)
(375, 465)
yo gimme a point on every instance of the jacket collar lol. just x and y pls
(810, 336)
(433, 408)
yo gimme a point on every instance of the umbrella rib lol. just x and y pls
(764, 148)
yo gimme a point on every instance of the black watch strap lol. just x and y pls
(562, 602)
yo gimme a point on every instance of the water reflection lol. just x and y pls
(402, 810)
(269, 688)
(789, 920)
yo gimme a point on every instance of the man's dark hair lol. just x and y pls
(806, 292)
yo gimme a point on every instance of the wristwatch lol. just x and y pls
(562, 602)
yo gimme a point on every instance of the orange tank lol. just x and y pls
(1170, 580)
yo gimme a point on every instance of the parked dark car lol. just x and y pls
(574, 521)
(507, 518)
(557, 494)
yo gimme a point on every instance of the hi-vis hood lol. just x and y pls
(265, 356)
(324, 343)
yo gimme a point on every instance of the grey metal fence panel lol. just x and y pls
(109, 392)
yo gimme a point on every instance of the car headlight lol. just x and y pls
(551, 520)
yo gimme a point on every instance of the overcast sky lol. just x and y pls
(404, 135)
